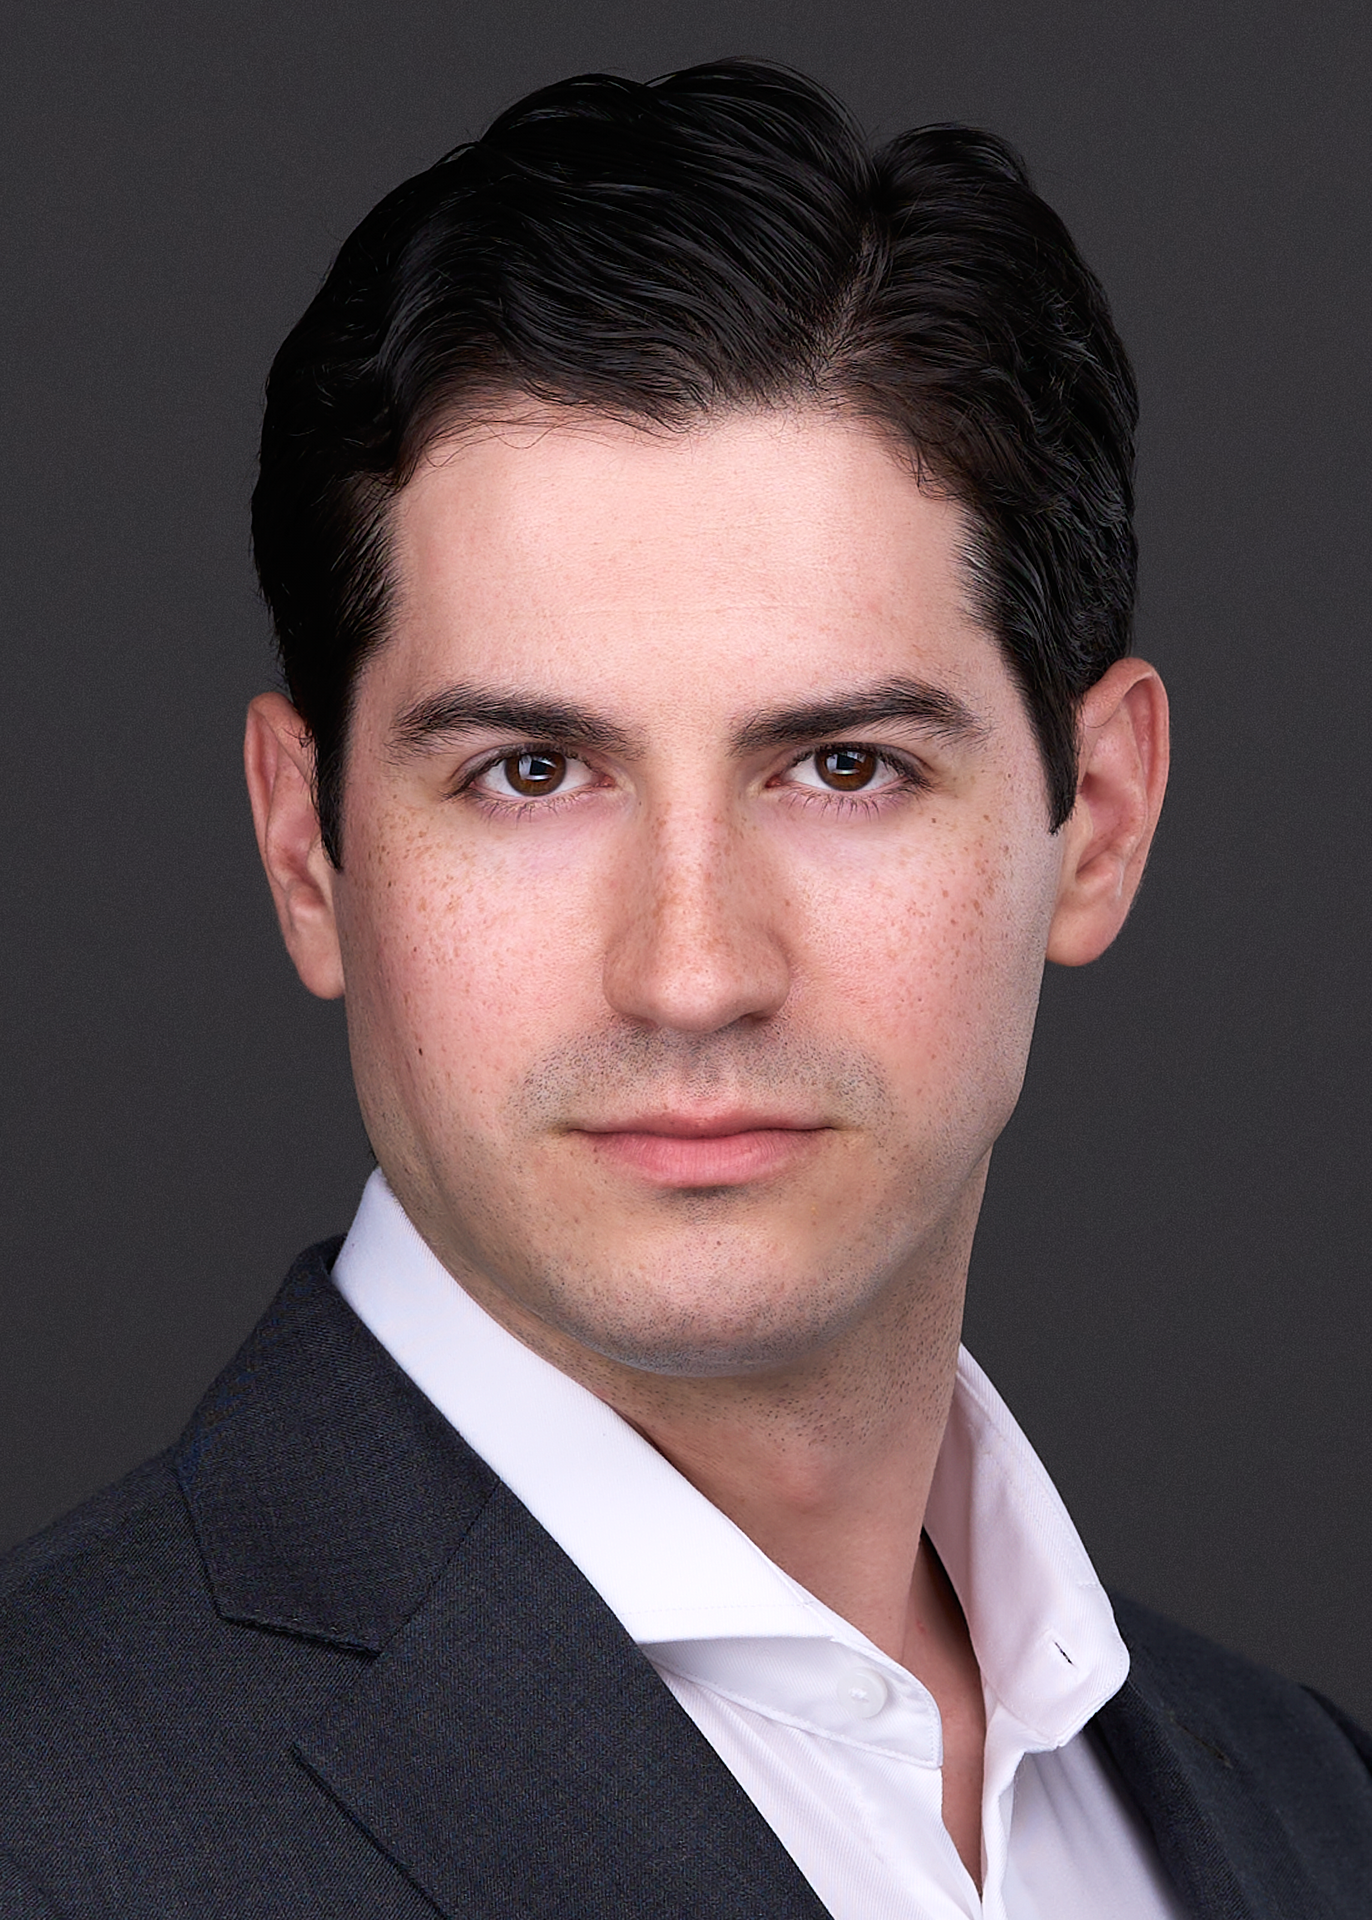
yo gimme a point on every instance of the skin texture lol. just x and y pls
(689, 1067)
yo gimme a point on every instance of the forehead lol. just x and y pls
(758, 549)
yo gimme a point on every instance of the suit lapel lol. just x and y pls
(1211, 1752)
(1174, 1789)
(514, 1753)
(507, 1747)
(326, 1492)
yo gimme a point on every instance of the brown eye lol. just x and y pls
(533, 774)
(847, 768)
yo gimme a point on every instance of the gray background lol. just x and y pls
(1171, 1281)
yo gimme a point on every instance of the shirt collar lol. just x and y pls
(672, 1567)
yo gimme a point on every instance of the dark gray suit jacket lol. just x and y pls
(319, 1660)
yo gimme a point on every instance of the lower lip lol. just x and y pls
(720, 1160)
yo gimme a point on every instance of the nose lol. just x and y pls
(695, 943)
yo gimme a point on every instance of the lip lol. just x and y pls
(691, 1150)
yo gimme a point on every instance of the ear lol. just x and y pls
(1122, 778)
(278, 758)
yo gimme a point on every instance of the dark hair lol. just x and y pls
(719, 238)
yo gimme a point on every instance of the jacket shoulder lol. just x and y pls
(1258, 1711)
(111, 1643)
(1258, 1793)
(132, 1541)
(145, 1726)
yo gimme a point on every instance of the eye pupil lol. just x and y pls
(846, 768)
(535, 773)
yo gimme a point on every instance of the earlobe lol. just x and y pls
(1122, 779)
(278, 760)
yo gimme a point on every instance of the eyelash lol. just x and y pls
(912, 778)
(514, 810)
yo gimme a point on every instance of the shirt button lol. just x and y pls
(863, 1692)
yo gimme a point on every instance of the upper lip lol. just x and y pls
(714, 1125)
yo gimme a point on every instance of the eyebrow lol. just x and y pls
(464, 709)
(931, 708)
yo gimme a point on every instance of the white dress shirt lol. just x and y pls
(838, 1746)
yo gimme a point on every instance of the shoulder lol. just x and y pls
(111, 1643)
(141, 1716)
(127, 1553)
(96, 1613)
(1257, 1791)
(1244, 1705)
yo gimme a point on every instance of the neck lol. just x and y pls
(827, 1469)
(826, 1462)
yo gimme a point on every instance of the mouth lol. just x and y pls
(723, 1150)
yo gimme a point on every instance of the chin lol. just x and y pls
(675, 1330)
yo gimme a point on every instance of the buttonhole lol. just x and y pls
(1217, 1753)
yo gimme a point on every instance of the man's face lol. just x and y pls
(696, 882)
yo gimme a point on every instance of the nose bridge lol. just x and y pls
(695, 946)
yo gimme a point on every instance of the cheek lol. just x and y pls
(940, 957)
(449, 971)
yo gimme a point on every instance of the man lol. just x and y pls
(701, 556)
